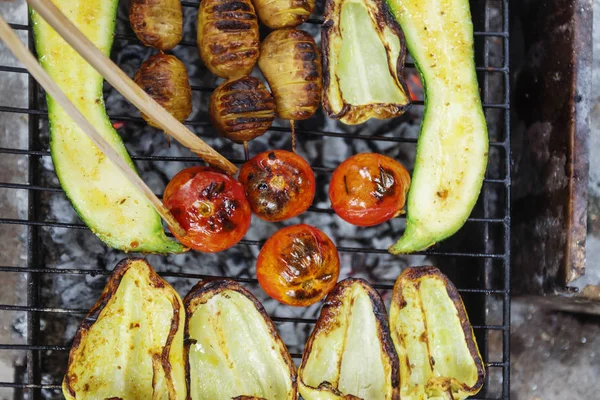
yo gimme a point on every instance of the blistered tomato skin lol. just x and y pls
(298, 265)
(210, 206)
(279, 184)
(368, 189)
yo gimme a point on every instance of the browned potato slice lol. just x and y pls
(278, 14)
(157, 23)
(228, 37)
(130, 346)
(439, 358)
(233, 347)
(350, 354)
(291, 63)
(164, 77)
(242, 109)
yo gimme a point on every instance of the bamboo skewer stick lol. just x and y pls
(29, 61)
(127, 87)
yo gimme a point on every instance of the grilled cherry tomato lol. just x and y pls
(368, 189)
(210, 206)
(279, 184)
(298, 265)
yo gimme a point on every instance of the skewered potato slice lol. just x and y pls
(439, 358)
(291, 63)
(228, 37)
(157, 23)
(233, 348)
(277, 14)
(350, 354)
(164, 77)
(242, 109)
(130, 346)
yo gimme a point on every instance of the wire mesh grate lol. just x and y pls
(60, 284)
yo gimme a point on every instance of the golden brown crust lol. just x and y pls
(328, 319)
(157, 23)
(418, 274)
(114, 280)
(164, 77)
(291, 62)
(228, 37)
(242, 109)
(284, 13)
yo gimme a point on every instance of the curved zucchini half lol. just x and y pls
(350, 354)
(104, 199)
(363, 62)
(233, 349)
(452, 149)
(439, 358)
(130, 346)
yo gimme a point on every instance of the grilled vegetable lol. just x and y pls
(278, 14)
(349, 354)
(228, 37)
(130, 346)
(368, 189)
(211, 206)
(279, 184)
(291, 63)
(452, 150)
(298, 265)
(157, 23)
(439, 358)
(111, 207)
(363, 61)
(234, 350)
(165, 79)
(242, 109)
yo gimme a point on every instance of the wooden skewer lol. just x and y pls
(22, 53)
(128, 88)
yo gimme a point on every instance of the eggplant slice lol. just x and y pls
(363, 61)
(439, 358)
(233, 349)
(130, 346)
(350, 354)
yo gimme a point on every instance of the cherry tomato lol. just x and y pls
(368, 189)
(279, 184)
(298, 265)
(210, 206)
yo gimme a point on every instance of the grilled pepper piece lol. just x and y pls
(234, 350)
(130, 346)
(349, 354)
(452, 150)
(439, 358)
(363, 62)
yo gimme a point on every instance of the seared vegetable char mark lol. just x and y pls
(157, 23)
(278, 14)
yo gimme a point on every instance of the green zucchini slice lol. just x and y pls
(452, 149)
(363, 61)
(104, 199)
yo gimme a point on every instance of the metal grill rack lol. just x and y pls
(476, 259)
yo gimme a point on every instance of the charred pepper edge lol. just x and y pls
(112, 285)
(386, 20)
(206, 289)
(328, 313)
(416, 274)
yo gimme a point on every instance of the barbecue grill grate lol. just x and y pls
(476, 259)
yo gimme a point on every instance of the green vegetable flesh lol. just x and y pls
(453, 144)
(104, 199)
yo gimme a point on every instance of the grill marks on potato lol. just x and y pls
(228, 37)
(291, 63)
(278, 14)
(242, 109)
(157, 23)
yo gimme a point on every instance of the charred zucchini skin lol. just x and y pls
(331, 36)
(104, 199)
(452, 148)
